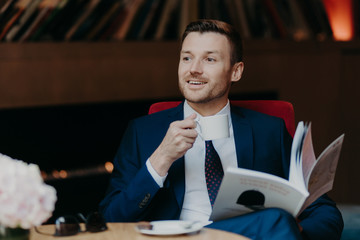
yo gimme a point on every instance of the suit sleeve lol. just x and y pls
(131, 187)
(321, 220)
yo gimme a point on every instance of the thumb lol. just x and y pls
(192, 116)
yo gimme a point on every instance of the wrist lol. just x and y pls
(160, 163)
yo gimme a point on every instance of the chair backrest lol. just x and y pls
(275, 108)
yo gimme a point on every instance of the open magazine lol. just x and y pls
(244, 190)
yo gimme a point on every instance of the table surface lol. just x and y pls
(127, 231)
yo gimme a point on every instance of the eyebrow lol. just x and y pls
(207, 52)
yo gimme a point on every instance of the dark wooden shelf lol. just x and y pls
(69, 72)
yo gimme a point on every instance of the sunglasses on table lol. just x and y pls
(70, 225)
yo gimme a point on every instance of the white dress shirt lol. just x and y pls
(197, 206)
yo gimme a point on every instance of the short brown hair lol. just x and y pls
(216, 26)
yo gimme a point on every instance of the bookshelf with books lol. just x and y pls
(95, 20)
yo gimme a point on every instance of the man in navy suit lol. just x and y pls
(159, 167)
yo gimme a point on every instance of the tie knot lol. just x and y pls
(209, 143)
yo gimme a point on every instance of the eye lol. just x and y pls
(210, 59)
(186, 59)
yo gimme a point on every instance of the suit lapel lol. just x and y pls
(177, 173)
(243, 137)
(176, 176)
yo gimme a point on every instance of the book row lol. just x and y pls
(96, 20)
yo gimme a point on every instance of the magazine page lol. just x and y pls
(243, 190)
(321, 178)
(308, 156)
(295, 171)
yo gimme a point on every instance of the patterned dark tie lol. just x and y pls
(213, 171)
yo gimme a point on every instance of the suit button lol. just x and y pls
(145, 200)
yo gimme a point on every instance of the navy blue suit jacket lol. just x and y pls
(262, 144)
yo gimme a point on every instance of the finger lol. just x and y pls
(192, 116)
(188, 122)
(190, 133)
(186, 135)
(185, 146)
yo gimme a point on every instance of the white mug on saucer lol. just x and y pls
(213, 127)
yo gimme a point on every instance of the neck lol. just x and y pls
(208, 108)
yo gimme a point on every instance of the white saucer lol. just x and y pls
(173, 227)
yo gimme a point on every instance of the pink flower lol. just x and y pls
(25, 200)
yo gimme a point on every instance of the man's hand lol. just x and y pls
(179, 138)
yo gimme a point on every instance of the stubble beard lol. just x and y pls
(196, 98)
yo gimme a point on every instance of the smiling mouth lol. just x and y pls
(196, 82)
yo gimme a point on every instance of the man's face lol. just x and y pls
(205, 73)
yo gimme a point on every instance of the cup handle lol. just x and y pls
(199, 129)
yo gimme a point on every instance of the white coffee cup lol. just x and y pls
(213, 127)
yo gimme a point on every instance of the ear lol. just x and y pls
(237, 71)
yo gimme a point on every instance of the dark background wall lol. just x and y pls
(319, 78)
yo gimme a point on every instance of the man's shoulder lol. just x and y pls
(252, 114)
(260, 122)
(170, 114)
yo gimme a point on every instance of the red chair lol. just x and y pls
(275, 108)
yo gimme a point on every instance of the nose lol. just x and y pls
(196, 67)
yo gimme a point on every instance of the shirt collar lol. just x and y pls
(188, 110)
